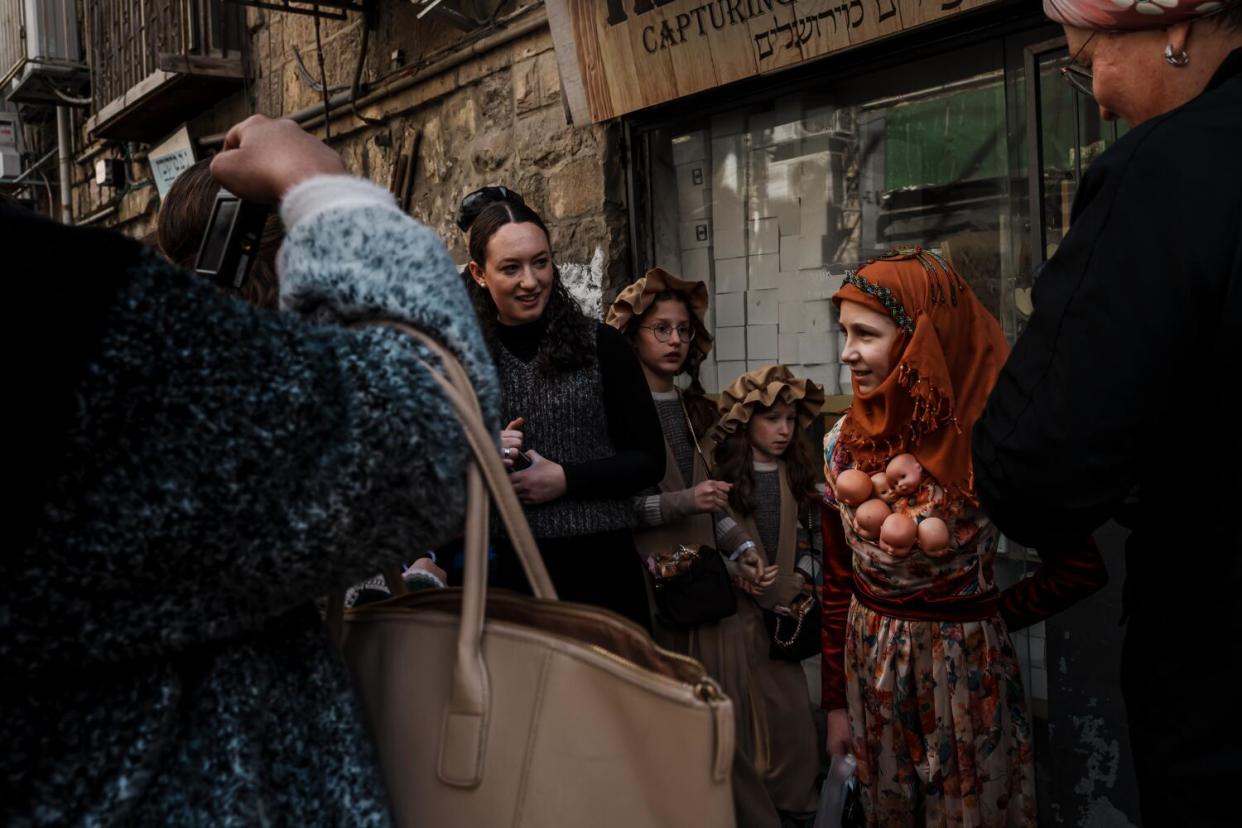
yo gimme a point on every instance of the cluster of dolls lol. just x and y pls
(878, 514)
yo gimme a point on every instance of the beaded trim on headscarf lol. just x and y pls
(936, 288)
(885, 298)
(933, 409)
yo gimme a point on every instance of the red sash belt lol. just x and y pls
(923, 606)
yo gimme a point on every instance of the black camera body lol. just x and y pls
(231, 244)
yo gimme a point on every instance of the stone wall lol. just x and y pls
(496, 117)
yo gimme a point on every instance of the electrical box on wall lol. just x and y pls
(40, 52)
(110, 172)
(10, 155)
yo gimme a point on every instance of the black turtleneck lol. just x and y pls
(633, 423)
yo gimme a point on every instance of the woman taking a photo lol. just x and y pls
(582, 435)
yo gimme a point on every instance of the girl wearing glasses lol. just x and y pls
(663, 318)
(582, 435)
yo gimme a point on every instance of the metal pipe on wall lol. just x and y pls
(64, 148)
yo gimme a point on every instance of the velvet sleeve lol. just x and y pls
(835, 599)
(1068, 572)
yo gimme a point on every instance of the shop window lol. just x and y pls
(771, 204)
(977, 153)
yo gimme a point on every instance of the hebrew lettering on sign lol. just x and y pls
(804, 26)
(857, 4)
(594, 42)
(765, 45)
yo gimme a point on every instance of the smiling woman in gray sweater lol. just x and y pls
(205, 471)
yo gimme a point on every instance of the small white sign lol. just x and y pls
(171, 158)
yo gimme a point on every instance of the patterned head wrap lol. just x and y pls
(1128, 15)
(946, 358)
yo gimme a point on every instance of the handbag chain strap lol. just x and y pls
(776, 633)
(698, 450)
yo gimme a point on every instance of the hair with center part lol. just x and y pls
(568, 343)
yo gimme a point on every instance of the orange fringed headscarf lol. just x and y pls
(946, 361)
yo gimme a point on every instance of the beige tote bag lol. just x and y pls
(491, 709)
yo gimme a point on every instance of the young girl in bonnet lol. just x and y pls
(916, 645)
(763, 452)
(663, 318)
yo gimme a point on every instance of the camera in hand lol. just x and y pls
(231, 244)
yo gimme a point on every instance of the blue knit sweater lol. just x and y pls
(163, 664)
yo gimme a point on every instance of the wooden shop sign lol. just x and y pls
(618, 56)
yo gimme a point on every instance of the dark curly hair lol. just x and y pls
(568, 343)
(734, 460)
(701, 410)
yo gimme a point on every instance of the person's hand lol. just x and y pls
(264, 158)
(428, 565)
(542, 482)
(751, 564)
(511, 441)
(761, 584)
(711, 495)
(839, 740)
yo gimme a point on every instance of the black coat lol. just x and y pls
(1119, 401)
(187, 474)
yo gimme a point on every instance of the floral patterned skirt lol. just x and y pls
(939, 723)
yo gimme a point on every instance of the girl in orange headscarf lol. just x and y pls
(921, 680)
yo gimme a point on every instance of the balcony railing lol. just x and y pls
(154, 62)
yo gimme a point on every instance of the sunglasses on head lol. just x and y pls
(474, 203)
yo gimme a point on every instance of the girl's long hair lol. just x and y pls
(734, 460)
(699, 408)
(568, 343)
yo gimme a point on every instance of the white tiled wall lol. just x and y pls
(730, 275)
(762, 307)
(761, 343)
(731, 309)
(730, 344)
(754, 196)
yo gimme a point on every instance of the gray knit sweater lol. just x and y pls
(163, 664)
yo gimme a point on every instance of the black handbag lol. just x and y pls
(794, 637)
(692, 584)
(692, 587)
